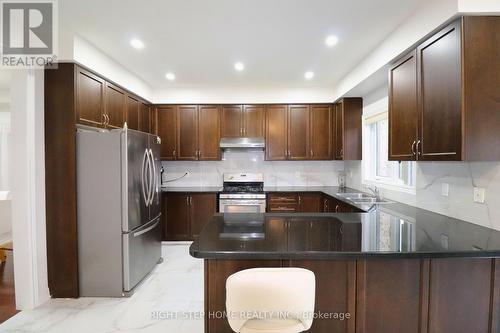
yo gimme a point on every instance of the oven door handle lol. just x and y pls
(242, 203)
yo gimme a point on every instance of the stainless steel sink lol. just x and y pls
(371, 201)
(362, 198)
(354, 195)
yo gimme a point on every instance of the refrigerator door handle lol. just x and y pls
(148, 184)
(138, 233)
(143, 176)
(151, 177)
(154, 186)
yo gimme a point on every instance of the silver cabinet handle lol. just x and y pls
(419, 152)
(143, 176)
(187, 201)
(413, 148)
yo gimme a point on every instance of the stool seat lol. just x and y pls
(278, 300)
(269, 325)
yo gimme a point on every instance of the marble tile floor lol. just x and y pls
(173, 291)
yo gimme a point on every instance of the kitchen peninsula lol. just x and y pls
(393, 268)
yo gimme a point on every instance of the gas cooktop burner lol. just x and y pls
(243, 189)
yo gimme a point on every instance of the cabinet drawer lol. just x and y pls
(282, 207)
(282, 198)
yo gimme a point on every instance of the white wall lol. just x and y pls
(88, 55)
(276, 173)
(461, 177)
(243, 95)
(28, 189)
(430, 15)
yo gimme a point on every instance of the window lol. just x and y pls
(378, 170)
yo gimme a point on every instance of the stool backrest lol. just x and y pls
(270, 293)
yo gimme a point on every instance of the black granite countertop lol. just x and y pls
(191, 189)
(390, 231)
(332, 191)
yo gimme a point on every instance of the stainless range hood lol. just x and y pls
(243, 143)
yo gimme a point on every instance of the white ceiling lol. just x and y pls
(200, 40)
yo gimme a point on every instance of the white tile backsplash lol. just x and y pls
(462, 177)
(276, 173)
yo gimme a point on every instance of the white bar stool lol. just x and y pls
(278, 300)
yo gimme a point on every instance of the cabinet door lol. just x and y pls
(89, 98)
(231, 121)
(403, 116)
(166, 123)
(298, 132)
(202, 208)
(253, 120)
(144, 117)
(187, 132)
(439, 96)
(348, 122)
(276, 134)
(115, 106)
(310, 203)
(321, 132)
(132, 112)
(176, 210)
(339, 132)
(208, 133)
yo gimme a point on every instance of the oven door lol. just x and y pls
(242, 206)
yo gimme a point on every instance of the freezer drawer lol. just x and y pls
(141, 252)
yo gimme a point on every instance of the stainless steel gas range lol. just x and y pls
(243, 193)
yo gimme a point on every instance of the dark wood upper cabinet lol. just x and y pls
(132, 112)
(321, 132)
(115, 106)
(457, 76)
(439, 84)
(89, 98)
(276, 133)
(348, 128)
(166, 130)
(339, 130)
(209, 133)
(403, 114)
(187, 132)
(202, 207)
(253, 120)
(298, 132)
(242, 121)
(232, 125)
(144, 117)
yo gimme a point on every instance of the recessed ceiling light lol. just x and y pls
(137, 44)
(239, 66)
(170, 76)
(309, 75)
(331, 40)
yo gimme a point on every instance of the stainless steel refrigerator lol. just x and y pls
(119, 231)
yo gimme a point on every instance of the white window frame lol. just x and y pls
(371, 114)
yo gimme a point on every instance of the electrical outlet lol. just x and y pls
(479, 194)
(188, 174)
(445, 189)
(444, 241)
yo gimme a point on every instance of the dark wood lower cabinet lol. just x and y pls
(451, 295)
(203, 206)
(175, 215)
(185, 214)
